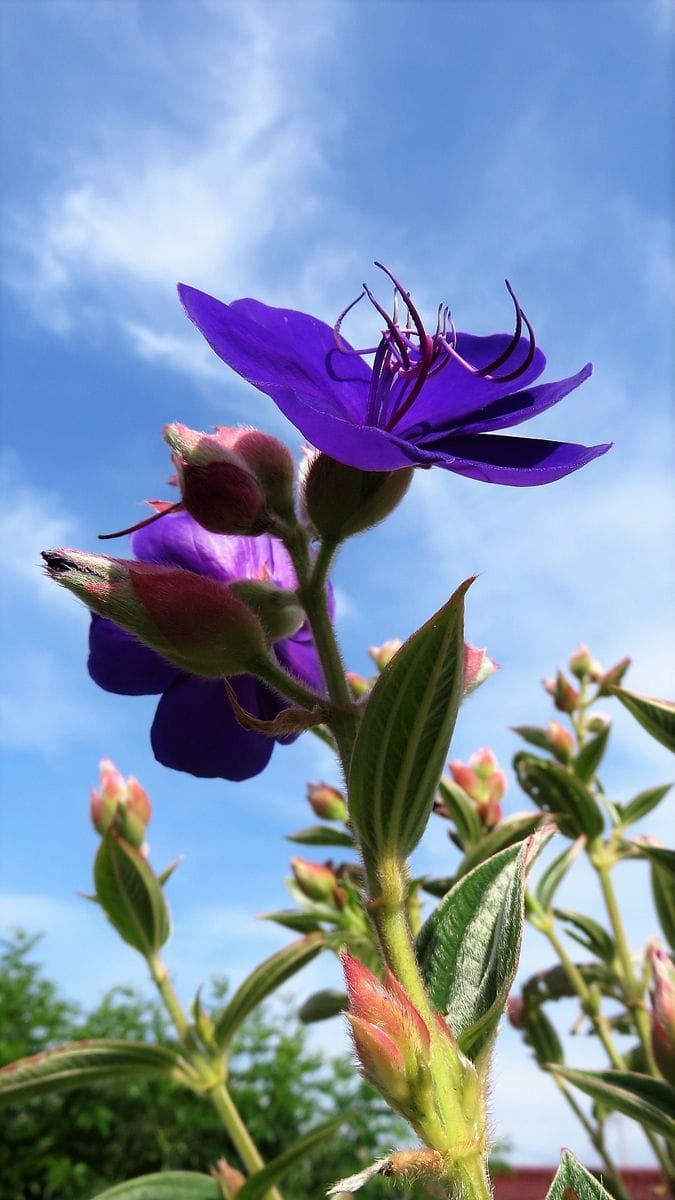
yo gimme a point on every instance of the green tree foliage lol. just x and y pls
(69, 1147)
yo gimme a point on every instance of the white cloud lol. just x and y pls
(31, 520)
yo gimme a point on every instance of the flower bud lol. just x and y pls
(581, 662)
(358, 686)
(478, 666)
(484, 782)
(598, 722)
(122, 806)
(315, 881)
(382, 655)
(663, 1011)
(276, 608)
(561, 741)
(341, 501)
(328, 803)
(217, 487)
(514, 1011)
(564, 695)
(614, 676)
(195, 622)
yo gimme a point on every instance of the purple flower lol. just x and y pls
(195, 729)
(430, 399)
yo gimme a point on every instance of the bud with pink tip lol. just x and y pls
(119, 805)
(478, 666)
(598, 722)
(663, 1011)
(358, 685)
(315, 881)
(564, 695)
(514, 1011)
(327, 802)
(484, 782)
(560, 741)
(613, 677)
(583, 665)
(382, 655)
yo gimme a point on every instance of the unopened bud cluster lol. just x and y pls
(121, 805)
(484, 783)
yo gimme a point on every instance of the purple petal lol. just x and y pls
(523, 405)
(280, 349)
(195, 730)
(299, 657)
(118, 663)
(455, 394)
(177, 540)
(516, 461)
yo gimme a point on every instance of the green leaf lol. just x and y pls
(131, 895)
(650, 1102)
(264, 980)
(92, 1062)
(588, 933)
(556, 872)
(322, 1005)
(295, 919)
(590, 756)
(558, 791)
(404, 736)
(540, 1033)
(663, 890)
(554, 984)
(656, 716)
(665, 859)
(643, 803)
(437, 886)
(574, 1182)
(468, 948)
(321, 835)
(167, 1185)
(509, 831)
(462, 813)
(256, 1185)
(533, 734)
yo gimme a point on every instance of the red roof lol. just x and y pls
(532, 1183)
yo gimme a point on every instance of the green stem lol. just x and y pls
(217, 1091)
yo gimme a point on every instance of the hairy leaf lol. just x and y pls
(556, 871)
(643, 803)
(264, 980)
(167, 1185)
(590, 756)
(558, 791)
(656, 716)
(131, 895)
(321, 835)
(86, 1063)
(574, 1182)
(650, 1102)
(588, 933)
(256, 1185)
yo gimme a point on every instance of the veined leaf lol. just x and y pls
(264, 980)
(323, 1005)
(462, 813)
(663, 885)
(588, 933)
(541, 1035)
(131, 895)
(166, 1185)
(468, 948)
(574, 1182)
(556, 871)
(296, 919)
(404, 736)
(509, 831)
(86, 1063)
(650, 1102)
(256, 1185)
(534, 735)
(321, 835)
(590, 756)
(643, 803)
(656, 716)
(558, 791)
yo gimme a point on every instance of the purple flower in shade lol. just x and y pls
(429, 399)
(195, 729)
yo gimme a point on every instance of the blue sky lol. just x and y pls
(275, 150)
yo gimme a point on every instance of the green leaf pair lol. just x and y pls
(557, 790)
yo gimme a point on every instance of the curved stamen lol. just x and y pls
(528, 357)
(416, 318)
(339, 341)
(105, 537)
(501, 358)
(391, 326)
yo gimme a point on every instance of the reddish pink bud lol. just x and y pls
(614, 676)
(382, 1062)
(484, 782)
(581, 662)
(565, 696)
(514, 1011)
(561, 741)
(382, 655)
(315, 881)
(478, 666)
(358, 686)
(327, 802)
(387, 1006)
(122, 806)
(663, 1011)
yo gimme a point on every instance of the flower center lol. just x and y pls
(407, 355)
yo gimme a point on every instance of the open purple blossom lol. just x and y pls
(429, 399)
(195, 729)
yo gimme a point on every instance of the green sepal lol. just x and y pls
(258, 1184)
(462, 813)
(556, 871)
(263, 980)
(574, 1182)
(555, 789)
(534, 735)
(656, 716)
(131, 895)
(587, 761)
(642, 804)
(403, 739)
(323, 1005)
(82, 1064)
(165, 1185)
(650, 1102)
(468, 948)
(321, 835)
(588, 933)
(509, 831)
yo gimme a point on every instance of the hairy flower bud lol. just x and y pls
(514, 1011)
(327, 802)
(315, 881)
(123, 806)
(341, 501)
(663, 1011)
(581, 663)
(564, 695)
(382, 655)
(561, 741)
(358, 685)
(196, 622)
(484, 782)
(598, 722)
(478, 666)
(276, 608)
